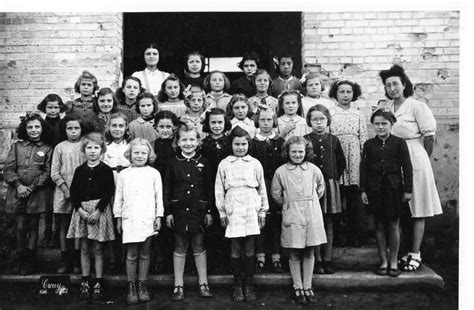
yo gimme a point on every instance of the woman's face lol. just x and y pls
(344, 94)
(194, 64)
(152, 56)
(394, 87)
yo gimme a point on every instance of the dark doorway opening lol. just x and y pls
(214, 34)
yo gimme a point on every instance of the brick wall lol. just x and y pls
(357, 45)
(43, 53)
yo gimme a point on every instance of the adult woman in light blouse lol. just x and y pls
(151, 77)
(417, 125)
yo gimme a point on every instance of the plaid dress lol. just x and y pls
(101, 231)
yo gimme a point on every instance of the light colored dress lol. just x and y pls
(269, 101)
(350, 126)
(241, 195)
(309, 102)
(114, 157)
(151, 80)
(196, 123)
(140, 128)
(414, 121)
(298, 189)
(301, 128)
(138, 201)
(67, 157)
(247, 124)
(221, 102)
(177, 107)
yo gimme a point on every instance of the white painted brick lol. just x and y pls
(370, 15)
(370, 30)
(333, 24)
(382, 15)
(357, 30)
(346, 30)
(432, 21)
(357, 23)
(357, 15)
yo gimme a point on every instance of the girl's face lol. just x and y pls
(290, 105)
(313, 88)
(262, 82)
(319, 122)
(240, 109)
(217, 82)
(194, 64)
(250, 67)
(34, 130)
(131, 89)
(217, 124)
(382, 127)
(188, 142)
(240, 146)
(117, 128)
(93, 151)
(172, 89)
(139, 155)
(86, 87)
(73, 131)
(344, 94)
(52, 109)
(145, 106)
(394, 87)
(196, 102)
(152, 57)
(286, 66)
(165, 128)
(297, 152)
(105, 103)
(265, 121)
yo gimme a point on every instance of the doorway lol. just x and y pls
(214, 34)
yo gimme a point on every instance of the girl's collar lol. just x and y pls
(260, 137)
(244, 158)
(292, 166)
(286, 80)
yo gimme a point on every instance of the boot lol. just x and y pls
(142, 290)
(76, 261)
(65, 263)
(29, 266)
(98, 290)
(85, 289)
(132, 297)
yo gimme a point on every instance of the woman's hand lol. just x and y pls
(157, 224)
(363, 197)
(207, 220)
(94, 217)
(170, 221)
(23, 191)
(406, 197)
(224, 221)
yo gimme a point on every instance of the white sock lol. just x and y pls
(295, 270)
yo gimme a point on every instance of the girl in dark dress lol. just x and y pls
(386, 182)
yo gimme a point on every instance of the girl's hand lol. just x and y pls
(364, 198)
(157, 224)
(406, 197)
(119, 225)
(224, 221)
(65, 190)
(170, 221)
(94, 217)
(207, 220)
(23, 191)
(83, 214)
(288, 128)
(261, 222)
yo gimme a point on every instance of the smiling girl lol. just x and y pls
(103, 107)
(143, 126)
(127, 97)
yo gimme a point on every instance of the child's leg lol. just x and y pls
(393, 241)
(144, 259)
(98, 248)
(381, 242)
(21, 232)
(200, 256)
(295, 268)
(131, 262)
(64, 221)
(275, 233)
(328, 226)
(85, 258)
(235, 251)
(76, 261)
(308, 267)
(33, 231)
(179, 258)
(249, 259)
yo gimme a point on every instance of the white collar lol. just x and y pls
(259, 137)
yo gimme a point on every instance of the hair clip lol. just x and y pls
(276, 63)
(290, 92)
(96, 93)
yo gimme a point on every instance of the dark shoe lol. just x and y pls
(260, 266)
(381, 271)
(277, 268)
(65, 263)
(298, 296)
(132, 295)
(237, 294)
(394, 272)
(318, 268)
(204, 291)
(85, 291)
(98, 291)
(309, 295)
(142, 290)
(249, 293)
(178, 293)
(328, 267)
